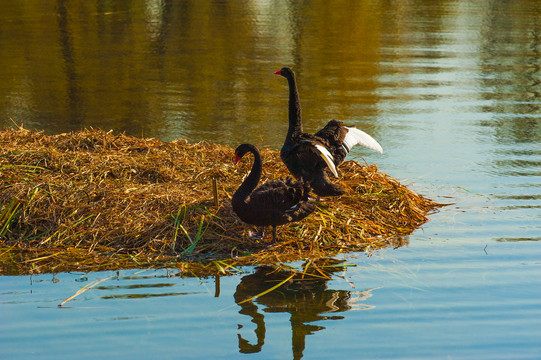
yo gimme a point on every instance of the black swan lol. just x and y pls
(274, 203)
(307, 156)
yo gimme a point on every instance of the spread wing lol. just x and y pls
(341, 138)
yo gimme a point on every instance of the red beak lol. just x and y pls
(237, 158)
(279, 72)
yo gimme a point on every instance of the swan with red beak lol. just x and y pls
(312, 156)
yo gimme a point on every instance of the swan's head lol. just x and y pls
(241, 150)
(285, 72)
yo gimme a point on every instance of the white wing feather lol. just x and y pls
(326, 155)
(355, 136)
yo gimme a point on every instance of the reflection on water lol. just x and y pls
(141, 289)
(203, 70)
(144, 294)
(307, 300)
(427, 299)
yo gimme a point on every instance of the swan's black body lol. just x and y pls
(300, 152)
(274, 203)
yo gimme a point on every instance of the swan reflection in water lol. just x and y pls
(307, 300)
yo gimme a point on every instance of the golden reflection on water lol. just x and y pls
(203, 70)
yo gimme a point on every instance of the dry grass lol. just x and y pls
(93, 200)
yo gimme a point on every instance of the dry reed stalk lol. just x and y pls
(93, 200)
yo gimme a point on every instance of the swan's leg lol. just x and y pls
(258, 235)
(274, 234)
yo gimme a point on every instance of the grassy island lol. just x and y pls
(95, 200)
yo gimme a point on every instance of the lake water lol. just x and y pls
(451, 90)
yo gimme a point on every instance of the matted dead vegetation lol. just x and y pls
(94, 200)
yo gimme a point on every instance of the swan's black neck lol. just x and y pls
(295, 122)
(250, 183)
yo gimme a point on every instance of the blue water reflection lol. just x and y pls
(413, 306)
